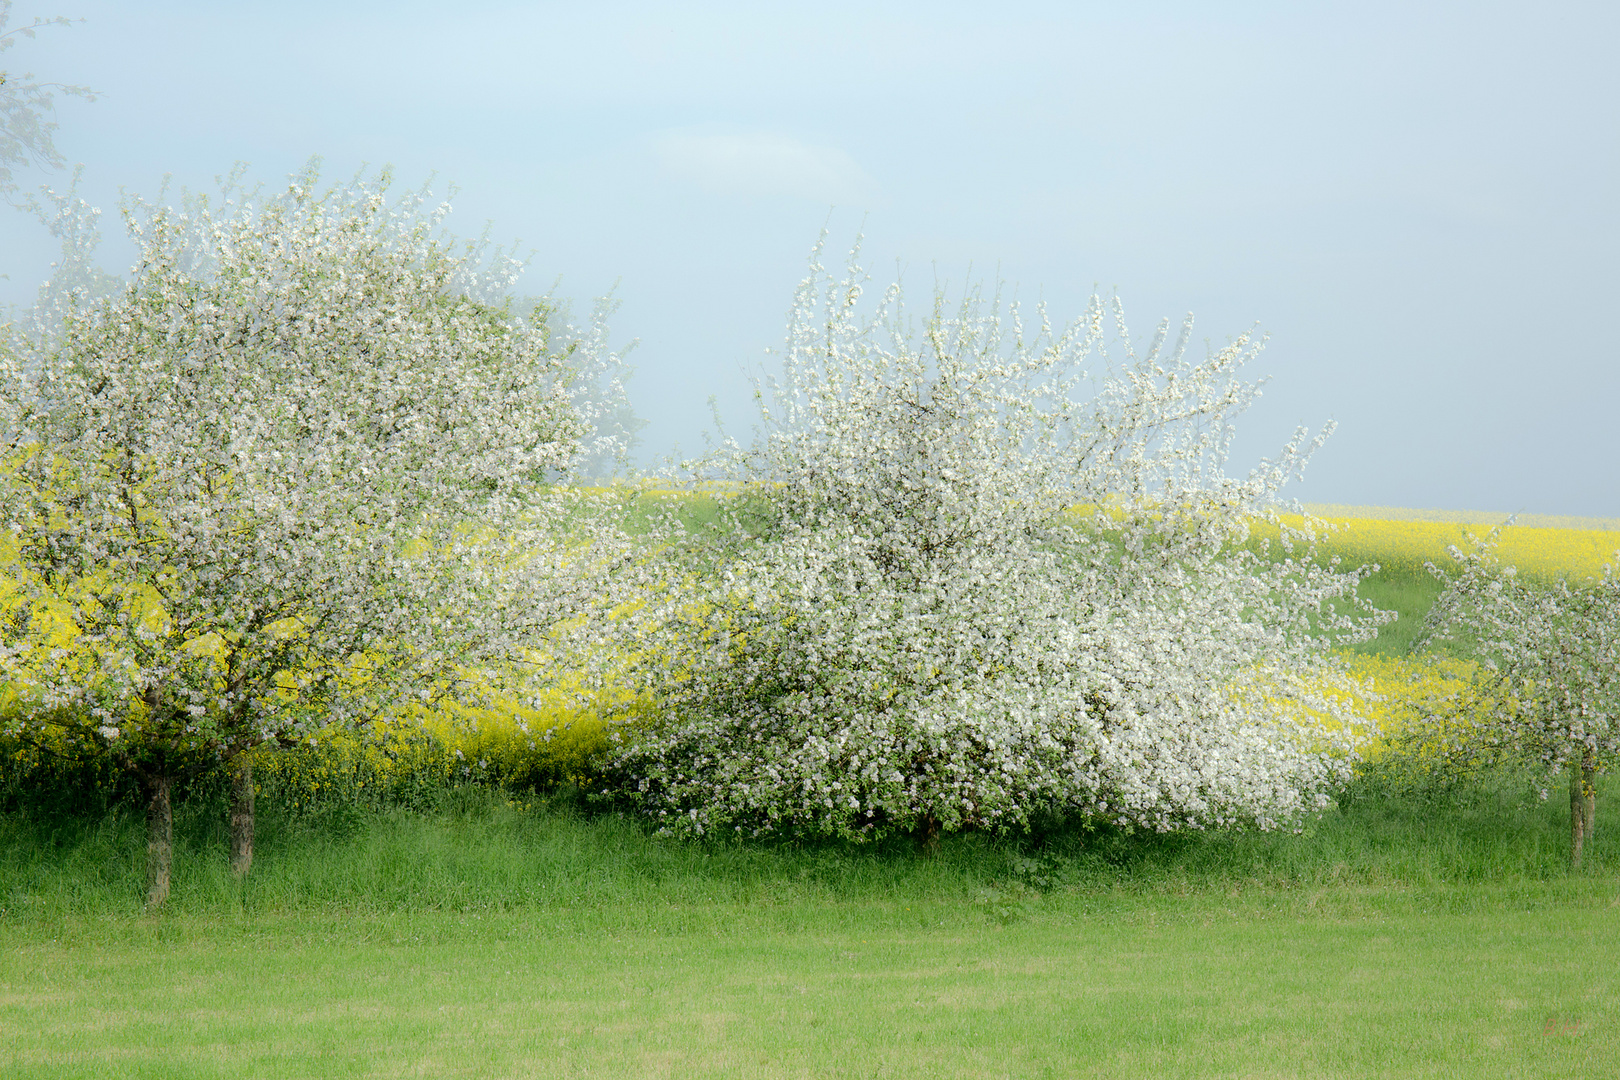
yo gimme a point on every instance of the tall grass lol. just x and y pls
(481, 849)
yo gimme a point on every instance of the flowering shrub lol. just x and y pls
(899, 619)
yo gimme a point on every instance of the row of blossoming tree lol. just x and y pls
(306, 469)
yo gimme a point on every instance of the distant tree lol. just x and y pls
(1550, 654)
(26, 104)
(292, 475)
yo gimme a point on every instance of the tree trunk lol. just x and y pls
(1589, 778)
(1582, 804)
(241, 815)
(159, 842)
(929, 838)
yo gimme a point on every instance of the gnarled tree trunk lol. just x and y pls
(241, 815)
(159, 841)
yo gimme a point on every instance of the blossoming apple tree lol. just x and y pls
(292, 475)
(1550, 654)
(981, 571)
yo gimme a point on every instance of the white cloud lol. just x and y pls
(765, 163)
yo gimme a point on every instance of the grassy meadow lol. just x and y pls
(1421, 926)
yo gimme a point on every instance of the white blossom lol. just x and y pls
(983, 571)
(292, 470)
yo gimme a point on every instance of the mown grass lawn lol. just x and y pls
(1397, 936)
(1337, 982)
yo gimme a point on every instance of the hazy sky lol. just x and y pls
(1417, 201)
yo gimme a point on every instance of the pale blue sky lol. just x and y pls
(1417, 201)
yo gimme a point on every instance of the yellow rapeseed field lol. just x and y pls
(1404, 540)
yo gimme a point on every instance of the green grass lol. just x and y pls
(1435, 934)
(1523, 985)
(1410, 593)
